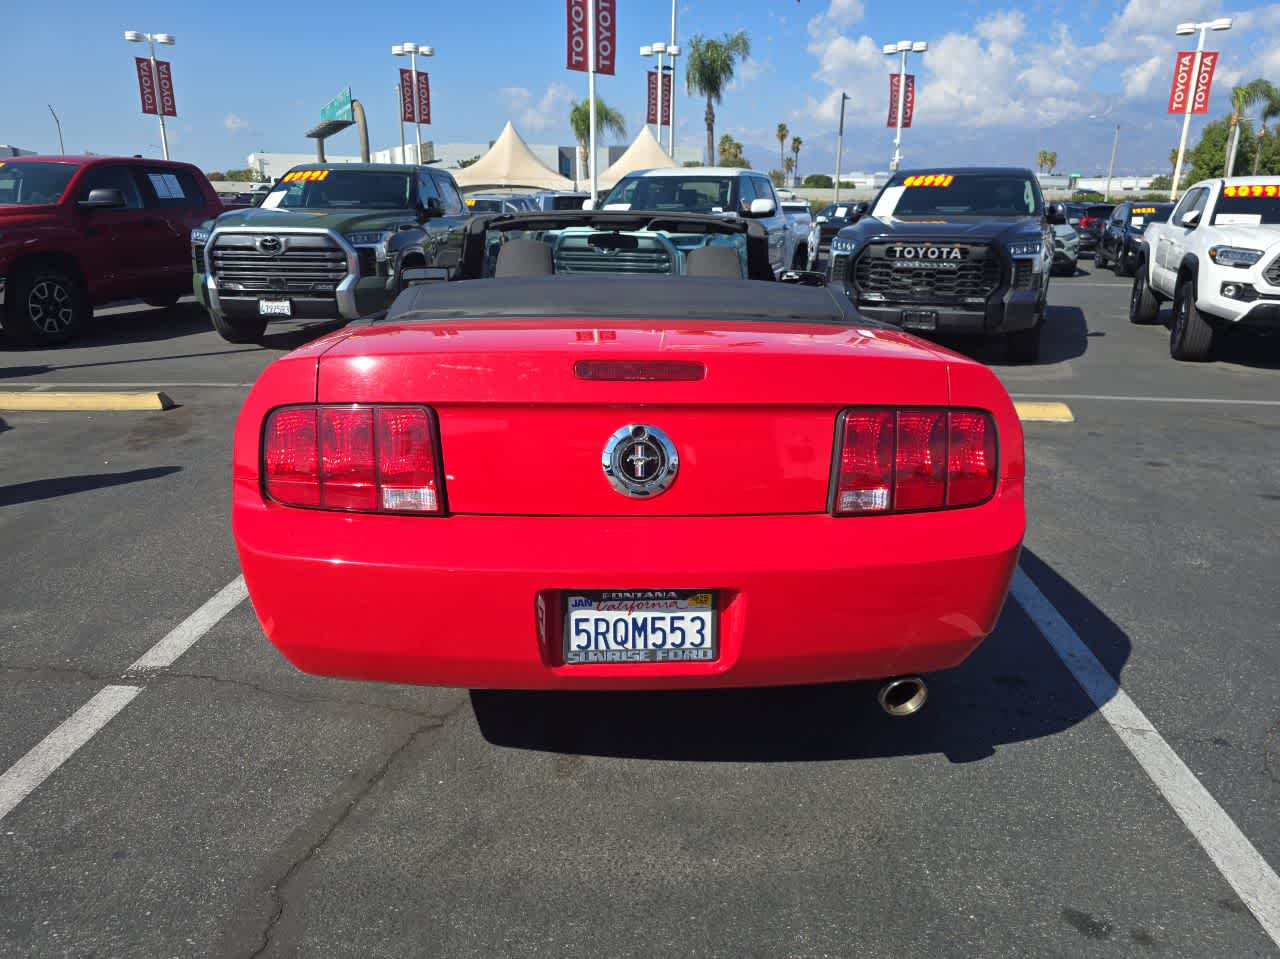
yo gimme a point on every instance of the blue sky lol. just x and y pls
(1001, 81)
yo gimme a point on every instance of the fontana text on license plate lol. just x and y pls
(640, 626)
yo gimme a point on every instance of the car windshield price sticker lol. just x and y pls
(640, 626)
(932, 179)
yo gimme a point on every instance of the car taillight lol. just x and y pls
(1087, 221)
(894, 461)
(375, 459)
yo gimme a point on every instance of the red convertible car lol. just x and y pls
(554, 478)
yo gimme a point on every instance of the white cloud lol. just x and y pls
(1139, 77)
(235, 123)
(1004, 27)
(533, 114)
(748, 71)
(844, 13)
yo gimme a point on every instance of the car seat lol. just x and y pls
(522, 257)
(721, 261)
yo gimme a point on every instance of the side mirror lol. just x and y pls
(1189, 219)
(429, 210)
(762, 207)
(859, 210)
(588, 204)
(1055, 213)
(104, 199)
(803, 277)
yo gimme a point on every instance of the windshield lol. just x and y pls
(693, 193)
(959, 194)
(342, 190)
(1248, 205)
(1140, 216)
(28, 184)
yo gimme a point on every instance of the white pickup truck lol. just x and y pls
(1217, 259)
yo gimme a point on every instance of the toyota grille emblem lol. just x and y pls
(640, 461)
(270, 245)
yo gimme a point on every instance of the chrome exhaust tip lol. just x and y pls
(902, 696)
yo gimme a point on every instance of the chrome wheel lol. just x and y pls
(50, 307)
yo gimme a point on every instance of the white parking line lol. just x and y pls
(43, 760)
(1204, 400)
(1253, 879)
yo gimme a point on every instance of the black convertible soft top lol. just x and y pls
(624, 297)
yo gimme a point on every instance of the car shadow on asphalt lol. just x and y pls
(1065, 337)
(56, 486)
(1014, 688)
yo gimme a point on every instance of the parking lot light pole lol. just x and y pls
(151, 39)
(1115, 140)
(1184, 30)
(411, 50)
(400, 114)
(902, 48)
(647, 51)
(673, 51)
(844, 98)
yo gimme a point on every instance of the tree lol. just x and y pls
(1243, 97)
(789, 167)
(819, 181)
(463, 164)
(1161, 184)
(608, 120)
(796, 144)
(710, 71)
(782, 134)
(1042, 160)
(215, 175)
(778, 178)
(731, 153)
(1270, 111)
(1051, 160)
(247, 175)
(1208, 157)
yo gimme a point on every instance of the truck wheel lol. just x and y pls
(1099, 259)
(1121, 266)
(1191, 337)
(239, 329)
(801, 259)
(1023, 346)
(1144, 307)
(47, 307)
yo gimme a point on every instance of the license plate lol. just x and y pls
(919, 319)
(275, 308)
(640, 626)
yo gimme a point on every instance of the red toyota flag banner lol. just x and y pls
(424, 98)
(406, 96)
(606, 35)
(164, 82)
(576, 37)
(651, 116)
(146, 85)
(908, 100)
(669, 82)
(1200, 99)
(1181, 89)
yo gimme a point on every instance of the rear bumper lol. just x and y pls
(474, 601)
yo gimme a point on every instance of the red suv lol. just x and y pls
(80, 231)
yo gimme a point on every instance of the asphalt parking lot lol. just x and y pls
(1044, 803)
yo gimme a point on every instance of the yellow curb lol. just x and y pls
(30, 401)
(1044, 412)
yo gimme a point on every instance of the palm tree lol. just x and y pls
(796, 144)
(782, 135)
(1270, 111)
(709, 72)
(1042, 160)
(608, 120)
(1242, 98)
(1051, 160)
(789, 168)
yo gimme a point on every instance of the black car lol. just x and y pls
(1122, 234)
(829, 221)
(954, 250)
(1092, 219)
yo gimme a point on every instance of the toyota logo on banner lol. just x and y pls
(1183, 66)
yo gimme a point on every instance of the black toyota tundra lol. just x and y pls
(964, 250)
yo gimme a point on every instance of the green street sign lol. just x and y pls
(339, 108)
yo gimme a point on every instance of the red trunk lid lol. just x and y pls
(522, 433)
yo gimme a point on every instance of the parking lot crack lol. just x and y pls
(278, 889)
(62, 674)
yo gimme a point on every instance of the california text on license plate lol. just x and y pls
(640, 626)
(275, 308)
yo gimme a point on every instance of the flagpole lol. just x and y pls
(591, 94)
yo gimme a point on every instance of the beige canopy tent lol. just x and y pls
(643, 154)
(510, 162)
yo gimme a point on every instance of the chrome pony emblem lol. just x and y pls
(640, 461)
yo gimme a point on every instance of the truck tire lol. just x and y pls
(1144, 305)
(801, 259)
(1023, 346)
(1099, 258)
(239, 330)
(46, 307)
(1191, 337)
(1120, 267)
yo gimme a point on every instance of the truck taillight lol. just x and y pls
(894, 461)
(371, 459)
